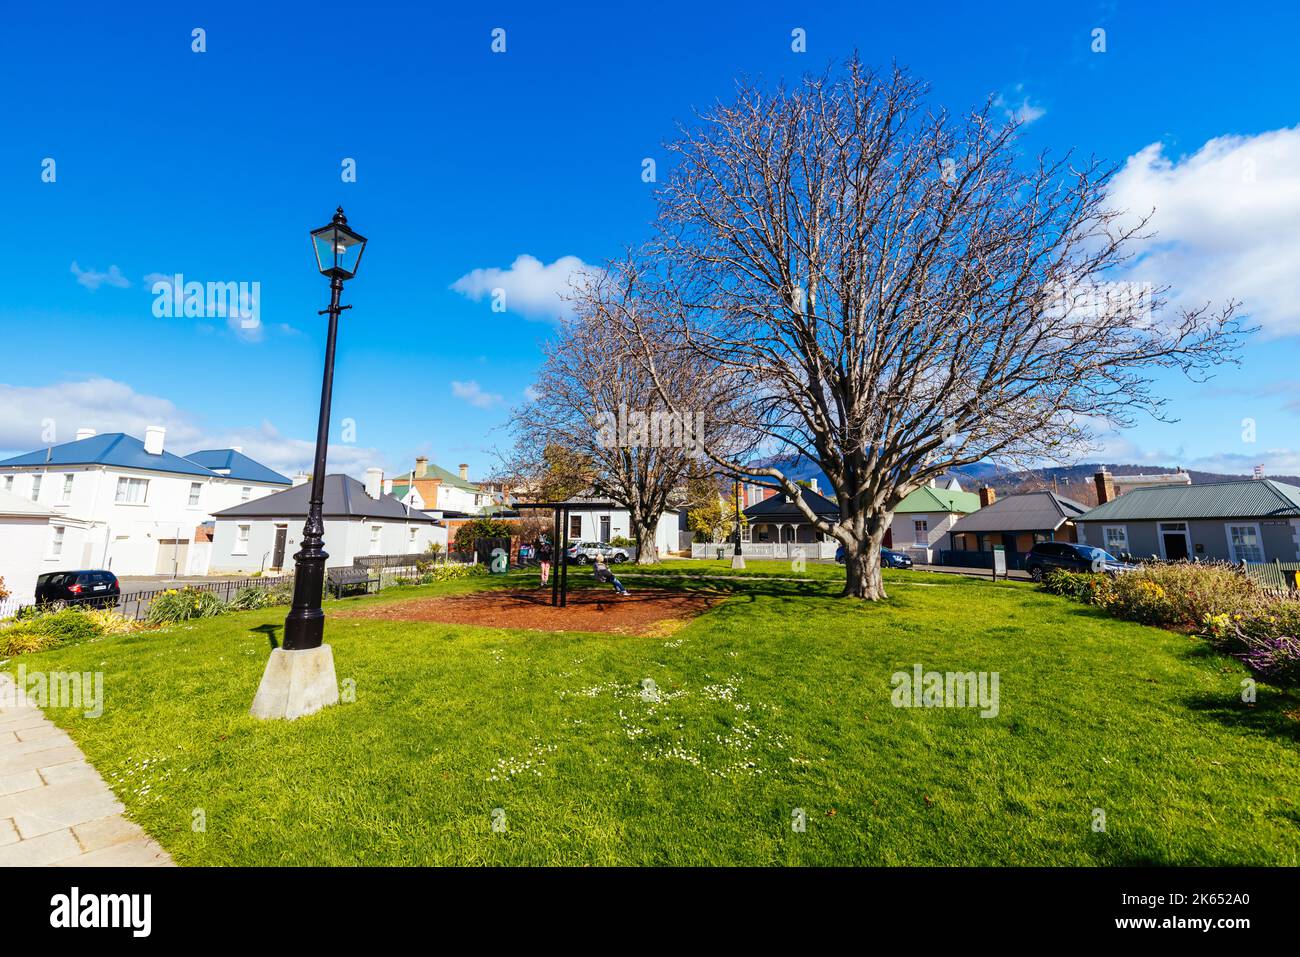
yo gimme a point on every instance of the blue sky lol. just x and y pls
(217, 164)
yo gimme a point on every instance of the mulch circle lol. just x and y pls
(589, 609)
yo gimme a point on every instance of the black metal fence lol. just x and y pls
(135, 605)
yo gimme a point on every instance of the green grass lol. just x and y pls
(778, 698)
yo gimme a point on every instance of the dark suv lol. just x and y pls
(1046, 556)
(94, 587)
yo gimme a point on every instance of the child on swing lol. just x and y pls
(605, 576)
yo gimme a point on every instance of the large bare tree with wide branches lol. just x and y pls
(893, 291)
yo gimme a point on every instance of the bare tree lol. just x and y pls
(894, 292)
(595, 400)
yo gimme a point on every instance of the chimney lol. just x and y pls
(931, 483)
(1259, 472)
(812, 483)
(388, 486)
(421, 466)
(987, 496)
(300, 478)
(1105, 487)
(84, 434)
(237, 448)
(153, 439)
(464, 471)
(374, 482)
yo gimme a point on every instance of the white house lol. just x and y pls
(430, 487)
(359, 520)
(32, 540)
(129, 505)
(606, 524)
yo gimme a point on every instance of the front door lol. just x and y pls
(277, 556)
(604, 528)
(1173, 536)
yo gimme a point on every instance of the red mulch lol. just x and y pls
(589, 609)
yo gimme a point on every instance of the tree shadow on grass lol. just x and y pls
(1275, 712)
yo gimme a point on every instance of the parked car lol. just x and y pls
(888, 558)
(585, 552)
(96, 587)
(1046, 556)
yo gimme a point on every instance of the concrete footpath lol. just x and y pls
(55, 809)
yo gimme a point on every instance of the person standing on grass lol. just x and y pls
(544, 559)
(605, 576)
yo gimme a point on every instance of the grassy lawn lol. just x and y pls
(778, 698)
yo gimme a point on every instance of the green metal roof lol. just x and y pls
(926, 499)
(1263, 498)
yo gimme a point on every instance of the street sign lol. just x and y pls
(999, 563)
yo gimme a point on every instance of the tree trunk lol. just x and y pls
(862, 562)
(646, 552)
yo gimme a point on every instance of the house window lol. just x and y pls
(195, 489)
(56, 545)
(575, 526)
(241, 539)
(36, 487)
(921, 531)
(9, 483)
(1244, 542)
(245, 493)
(67, 487)
(376, 539)
(1114, 539)
(132, 491)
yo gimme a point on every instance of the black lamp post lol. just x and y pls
(338, 254)
(737, 560)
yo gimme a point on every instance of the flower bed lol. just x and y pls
(1258, 625)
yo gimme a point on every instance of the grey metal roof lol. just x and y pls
(345, 497)
(1028, 512)
(777, 507)
(1263, 498)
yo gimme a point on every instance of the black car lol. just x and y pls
(93, 587)
(1046, 556)
(888, 558)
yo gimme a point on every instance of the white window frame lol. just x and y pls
(1259, 539)
(1161, 532)
(36, 486)
(921, 527)
(9, 483)
(242, 534)
(1105, 539)
(245, 493)
(572, 534)
(131, 482)
(66, 496)
(57, 536)
(376, 539)
(412, 536)
(196, 494)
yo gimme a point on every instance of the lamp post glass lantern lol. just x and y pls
(338, 255)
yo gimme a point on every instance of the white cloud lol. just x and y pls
(30, 414)
(529, 287)
(1017, 106)
(93, 280)
(1227, 220)
(474, 394)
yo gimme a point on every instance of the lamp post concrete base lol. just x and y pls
(296, 683)
(737, 561)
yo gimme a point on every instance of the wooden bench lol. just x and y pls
(341, 578)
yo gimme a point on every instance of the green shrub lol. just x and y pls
(250, 597)
(452, 571)
(42, 630)
(184, 604)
